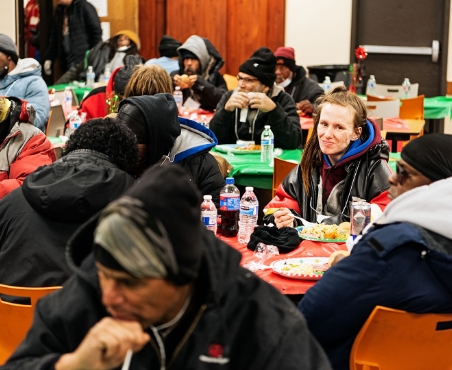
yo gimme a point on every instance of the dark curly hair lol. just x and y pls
(107, 136)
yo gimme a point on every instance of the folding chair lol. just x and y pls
(281, 169)
(395, 91)
(231, 81)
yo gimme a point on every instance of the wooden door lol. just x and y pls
(414, 23)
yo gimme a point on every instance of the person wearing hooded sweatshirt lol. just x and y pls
(165, 138)
(243, 113)
(169, 57)
(345, 158)
(37, 219)
(293, 79)
(151, 279)
(22, 78)
(199, 78)
(404, 259)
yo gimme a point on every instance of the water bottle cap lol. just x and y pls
(207, 197)
(229, 180)
(177, 88)
(267, 127)
(249, 188)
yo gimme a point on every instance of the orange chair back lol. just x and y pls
(394, 339)
(280, 170)
(379, 98)
(412, 108)
(231, 81)
(16, 319)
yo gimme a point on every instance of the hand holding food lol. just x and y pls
(238, 99)
(184, 81)
(283, 218)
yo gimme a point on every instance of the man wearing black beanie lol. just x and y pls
(151, 284)
(169, 56)
(242, 113)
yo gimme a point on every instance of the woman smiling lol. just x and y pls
(345, 158)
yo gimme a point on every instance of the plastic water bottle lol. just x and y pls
(107, 74)
(229, 209)
(327, 84)
(67, 103)
(267, 145)
(179, 98)
(249, 207)
(209, 214)
(74, 123)
(204, 121)
(90, 77)
(371, 83)
(406, 88)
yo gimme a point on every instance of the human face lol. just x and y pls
(4, 64)
(336, 130)
(405, 178)
(123, 40)
(282, 73)
(191, 66)
(148, 301)
(248, 83)
(65, 2)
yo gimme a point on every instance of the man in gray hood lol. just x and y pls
(198, 77)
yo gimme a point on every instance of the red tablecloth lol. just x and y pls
(285, 285)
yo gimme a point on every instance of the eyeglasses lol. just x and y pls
(246, 79)
(402, 174)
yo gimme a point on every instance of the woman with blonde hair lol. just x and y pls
(345, 158)
(148, 80)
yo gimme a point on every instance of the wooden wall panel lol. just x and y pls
(152, 26)
(275, 24)
(122, 15)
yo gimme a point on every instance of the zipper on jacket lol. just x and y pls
(157, 350)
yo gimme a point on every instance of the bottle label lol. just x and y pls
(249, 211)
(267, 141)
(229, 203)
(209, 218)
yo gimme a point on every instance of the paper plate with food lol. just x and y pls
(325, 233)
(239, 148)
(306, 268)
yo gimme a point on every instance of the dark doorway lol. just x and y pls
(414, 23)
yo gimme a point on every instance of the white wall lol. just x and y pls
(8, 18)
(319, 31)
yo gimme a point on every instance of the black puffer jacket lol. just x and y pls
(37, 219)
(302, 87)
(251, 324)
(84, 31)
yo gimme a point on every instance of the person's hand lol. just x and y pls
(305, 106)
(105, 346)
(261, 101)
(283, 218)
(185, 82)
(191, 81)
(48, 67)
(238, 99)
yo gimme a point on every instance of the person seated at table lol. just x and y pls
(106, 54)
(146, 271)
(404, 261)
(105, 99)
(169, 57)
(293, 80)
(23, 148)
(37, 219)
(148, 80)
(22, 78)
(198, 77)
(242, 113)
(165, 138)
(345, 158)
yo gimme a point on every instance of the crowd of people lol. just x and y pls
(116, 220)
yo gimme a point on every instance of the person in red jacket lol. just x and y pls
(23, 147)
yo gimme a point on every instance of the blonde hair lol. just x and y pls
(148, 80)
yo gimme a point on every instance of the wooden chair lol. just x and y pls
(231, 81)
(395, 91)
(16, 319)
(412, 108)
(281, 169)
(394, 339)
(48, 121)
(383, 109)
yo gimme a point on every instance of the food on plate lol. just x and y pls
(301, 268)
(322, 231)
(249, 147)
(344, 227)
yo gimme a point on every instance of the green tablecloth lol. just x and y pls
(437, 107)
(248, 170)
(79, 91)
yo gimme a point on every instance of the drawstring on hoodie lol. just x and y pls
(252, 125)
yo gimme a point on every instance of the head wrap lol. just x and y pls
(261, 65)
(286, 56)
(8, 47)
(168, 46)
(430, 155)
(131, 35)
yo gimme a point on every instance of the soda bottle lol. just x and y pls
(326, 84)
(107, 74)
(371, 82)
(406, 88)
(267, 145)
(90, 77)
(179, 98)
(249, 207)
(67, 103)
(229, 209)
(209, 214)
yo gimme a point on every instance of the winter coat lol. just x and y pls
(25, 82)
(168, 64)
(37, 219)
(365, 175)
(240, 323)
(403, 262)
(84, 31)
(302, 87)
(210, 85)
(283, 120)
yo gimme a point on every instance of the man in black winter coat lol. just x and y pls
(151, 284)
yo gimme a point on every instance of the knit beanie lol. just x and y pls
(430, 155)
(261, 65)
(286, 56)
(122, 77)
(131, 35)
(168, 47)
(8, 47)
